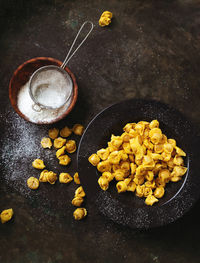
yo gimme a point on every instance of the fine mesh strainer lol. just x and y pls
(42, 83)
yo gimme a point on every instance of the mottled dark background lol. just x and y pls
(151, 50)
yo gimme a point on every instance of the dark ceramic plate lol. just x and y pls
(127, 208)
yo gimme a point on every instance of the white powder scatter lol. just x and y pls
(25, 105)
(20, 145)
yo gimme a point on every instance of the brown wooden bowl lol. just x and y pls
(22, 75)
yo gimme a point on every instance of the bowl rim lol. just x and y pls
(58, 63)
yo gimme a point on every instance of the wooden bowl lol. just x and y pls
(22, 75)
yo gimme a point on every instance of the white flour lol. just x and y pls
(51, 88)
(25, 105)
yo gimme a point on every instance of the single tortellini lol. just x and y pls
(79, 192)
(168, 148)
(150, 200)
(70, 146)
(80, 213)
(33, 183)
(94, 159)
(53, 133)
(159, 148)
(121, 187)
(114, 157)
(178, 160)
(147, 191)
(119, 175)
(59, 142)
(149, 176)
(65, 132)
(131, 186)
(103, 183)
(51, 177)
(38, 164)
(103, 154)
(108, 175)
(46, 142)
(179, 171)
(172, 142)
(140, 190)
(154, 124)
(105, 18)
(6, 215)
(104, 166)
(138, 180)
(155, 135)
(76, 178)
(159, 192)
(150, 184)
(78, 129)
(64, 159)
(43, 176)
(128, 127)
(164, 175)
(180, 152)
(60, 151)
(65, 178)
(116, 141)
(77, 201)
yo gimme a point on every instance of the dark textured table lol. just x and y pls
(151, 50)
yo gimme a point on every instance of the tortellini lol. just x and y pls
(38, 164)
(46, 142)
(33, 183)
(6, 215)
(80, 213)
(105, 18)
(142, 160)
(65, 178)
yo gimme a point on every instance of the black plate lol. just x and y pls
(126, 208)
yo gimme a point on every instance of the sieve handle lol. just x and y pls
(69, 55)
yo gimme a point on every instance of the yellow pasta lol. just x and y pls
(80, 213)
(53, 133)
(64, 159)
(6, 215)
(65, 178)
(38, 164)
(105, 18)
(46, 143)
(60, 151)
(78, 129)
(59, 142)
(141, 160)
(33, 183)
(65, 132)
(70, 146)
(121, 187)
(76, 178)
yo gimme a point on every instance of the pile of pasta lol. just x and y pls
(142, 160)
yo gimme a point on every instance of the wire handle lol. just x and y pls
(68, 57)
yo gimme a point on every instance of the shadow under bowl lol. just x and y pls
(23, 73)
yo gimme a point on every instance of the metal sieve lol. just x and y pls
(45, 85)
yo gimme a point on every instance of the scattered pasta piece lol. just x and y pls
(94, 159)
(51, 177)
(76, 178)
(46, 143)
(150, 200)
(77, 201)
(65, 178)
(43, 176)
(53, 133)
(60, 151)
(80, 213)
(64, 160)
(59, 142)
(78, 129)
(79, 192)
(142, 160)
(105, 18)
(6, 215)
(38, 164)
(65, 132)
(71, 146)
(33, 183)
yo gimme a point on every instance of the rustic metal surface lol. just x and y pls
(151, 50)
